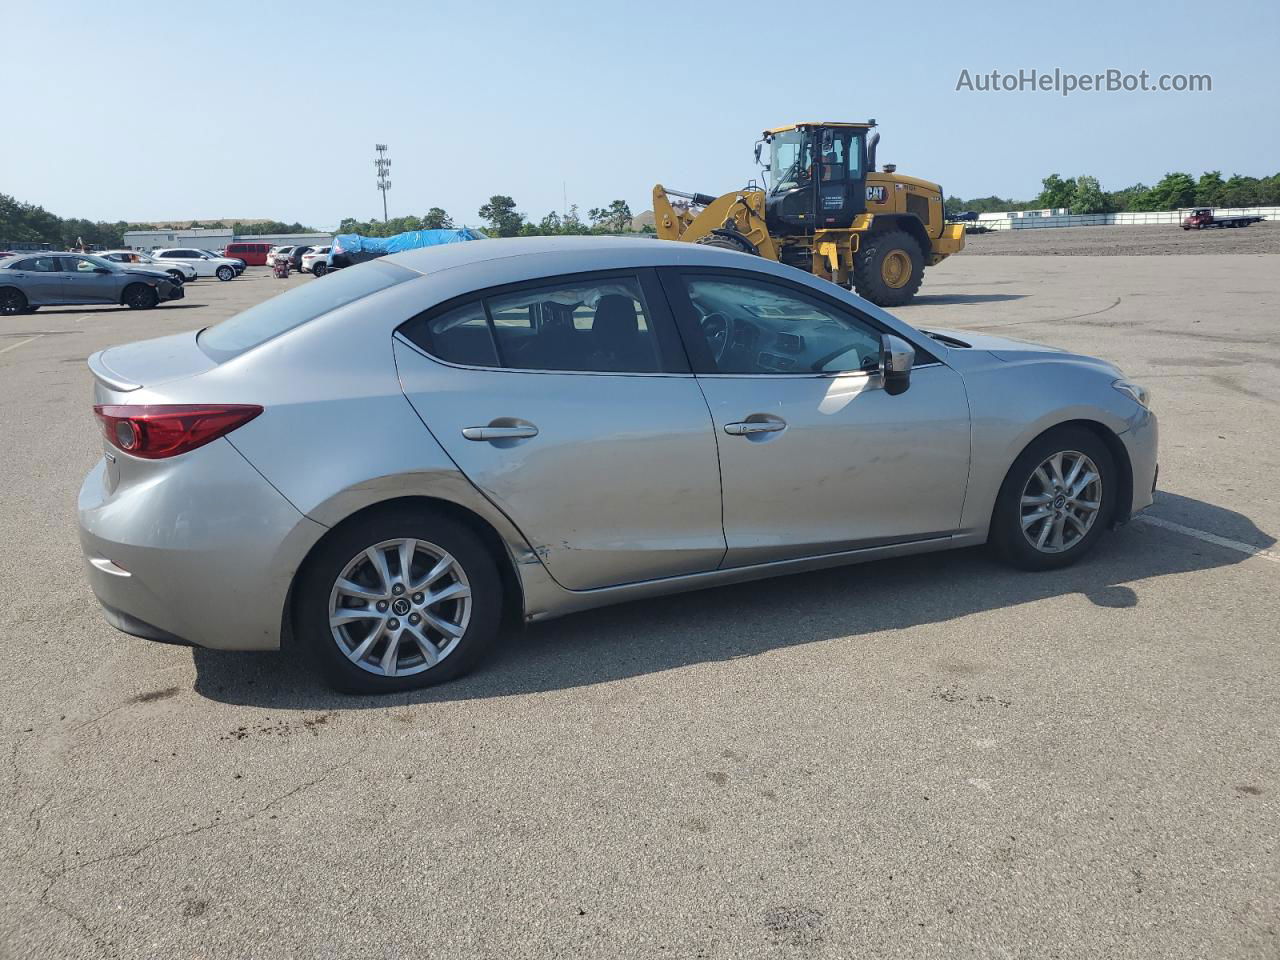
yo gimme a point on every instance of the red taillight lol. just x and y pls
(156, 431)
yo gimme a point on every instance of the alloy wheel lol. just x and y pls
(1060, 502)
(400, 607)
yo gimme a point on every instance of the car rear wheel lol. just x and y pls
(139, 296)
(1056, 500)
(320, 268)
(12, 302)
(400, 599)
(226, 273)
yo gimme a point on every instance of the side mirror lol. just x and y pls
(101, 270)
(759, 145)
(897, 357)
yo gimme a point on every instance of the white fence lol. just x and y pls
(1163, 217)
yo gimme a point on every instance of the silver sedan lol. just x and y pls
(382, 463)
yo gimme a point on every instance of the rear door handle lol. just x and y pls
(745, 428)
(500, 433)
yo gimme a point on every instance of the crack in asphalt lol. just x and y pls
(102, 943)
(1019, 323)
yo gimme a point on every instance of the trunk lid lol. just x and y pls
(149, 362)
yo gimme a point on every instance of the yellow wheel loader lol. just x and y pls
(827, 210)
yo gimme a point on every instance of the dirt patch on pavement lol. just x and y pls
(1124, 241)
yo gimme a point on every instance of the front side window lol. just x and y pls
(753, 327)
(595, 326)
(83, 265)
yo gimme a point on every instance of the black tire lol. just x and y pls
(226, 273)
(138, 296)
(897, 248)
(316, 582)
(320, 268)
(176, 276)
(12, 302)
(1006, 535)
(722, 242)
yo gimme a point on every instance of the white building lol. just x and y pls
(210, 238)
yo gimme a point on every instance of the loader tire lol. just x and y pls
(888, 269)
(723, 242)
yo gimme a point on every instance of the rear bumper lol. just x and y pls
(199, 549)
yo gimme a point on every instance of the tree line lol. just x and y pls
(29, 223)
(1084, 194)
(502, 219)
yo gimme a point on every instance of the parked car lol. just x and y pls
(206, 264)
(296, 255)
(278, 252)
(179, 271)
(252, 252)
(47, 279)
(236, 261)
(564, 423)
(315, 260)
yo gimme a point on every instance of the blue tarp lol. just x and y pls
(350, 243)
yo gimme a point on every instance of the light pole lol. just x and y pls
(383, 165)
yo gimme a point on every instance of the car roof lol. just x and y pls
(586, 252)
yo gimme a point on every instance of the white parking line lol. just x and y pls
(20, 343)
(1237, 545)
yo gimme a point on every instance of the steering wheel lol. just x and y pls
(718, 329)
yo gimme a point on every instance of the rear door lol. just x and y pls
(40, 279)
(569, 403)
(816, 457)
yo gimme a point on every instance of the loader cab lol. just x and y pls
(817, 176)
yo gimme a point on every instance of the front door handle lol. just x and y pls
(745, 428)
(521, 432)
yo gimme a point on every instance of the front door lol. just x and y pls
(81, 283)
(570, 406)
(815, 456)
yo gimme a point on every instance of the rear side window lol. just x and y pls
(280, 314)
(591, 326)
(38, 265)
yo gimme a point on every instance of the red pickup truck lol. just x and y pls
(1203, 217)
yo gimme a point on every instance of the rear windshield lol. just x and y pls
(278, 315)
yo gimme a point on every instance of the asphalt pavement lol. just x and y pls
(927, 757)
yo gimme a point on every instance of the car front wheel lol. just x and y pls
(140, 297)
(1056, 500)
(399, 599)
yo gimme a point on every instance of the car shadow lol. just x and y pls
(943, 299)
(98, 308)
(744, 620)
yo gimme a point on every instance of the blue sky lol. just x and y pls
(146, 112)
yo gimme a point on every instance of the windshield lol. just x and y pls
(790, 159)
